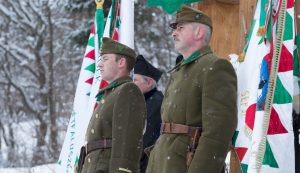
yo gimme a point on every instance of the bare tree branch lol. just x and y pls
(18, 60)
(25, 100)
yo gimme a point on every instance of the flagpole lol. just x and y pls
(84, 101)
(126, 35)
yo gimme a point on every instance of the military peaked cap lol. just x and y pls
(143, 67)
(111, 46)
(188, 14)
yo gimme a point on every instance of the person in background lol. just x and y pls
(146, 77)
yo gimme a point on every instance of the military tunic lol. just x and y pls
(120, 117)
(202, 92)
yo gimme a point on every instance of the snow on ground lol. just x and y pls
(49, 168)
(52, 168)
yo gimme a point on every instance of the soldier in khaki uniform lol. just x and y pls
(115, 132)
(199, 113)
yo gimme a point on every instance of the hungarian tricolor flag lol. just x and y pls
(268, 78)
(90, 80)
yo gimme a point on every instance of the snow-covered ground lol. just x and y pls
(52, 168)
(49, 168)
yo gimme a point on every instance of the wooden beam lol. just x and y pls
(229, 1)
(246, 14)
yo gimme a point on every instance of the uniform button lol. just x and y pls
(97, 115)
(92, 131)
(89, 160)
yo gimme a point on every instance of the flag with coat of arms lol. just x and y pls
(268, 78)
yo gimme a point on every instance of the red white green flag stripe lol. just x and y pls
(90, 80)
(264, 137)
(84, 101)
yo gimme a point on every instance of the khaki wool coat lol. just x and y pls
(120, 116)
(202, 92)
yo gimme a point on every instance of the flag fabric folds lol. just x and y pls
(85, 101)
(268, 78)
(119, 26)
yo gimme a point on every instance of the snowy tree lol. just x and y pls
(153, 37)
(39, 70)
(42, 43)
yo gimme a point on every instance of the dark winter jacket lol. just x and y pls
(153, 102)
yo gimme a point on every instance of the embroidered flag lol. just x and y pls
(84, 101)
(267, 81)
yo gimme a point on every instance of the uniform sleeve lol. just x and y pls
(127, 128)
(219, 118)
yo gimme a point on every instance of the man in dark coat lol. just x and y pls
(115, 131)
(199, 111)
(146, 77)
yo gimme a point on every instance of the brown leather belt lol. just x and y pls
(91, 146)
(193, 132)
(99, 144)
(172, 128)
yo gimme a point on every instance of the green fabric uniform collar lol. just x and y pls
(196, 55)
(114, 84)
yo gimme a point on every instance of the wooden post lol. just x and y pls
(231, 24)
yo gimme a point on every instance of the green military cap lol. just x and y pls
(188, 14)
(111, 46)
